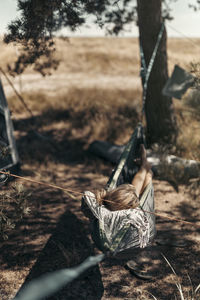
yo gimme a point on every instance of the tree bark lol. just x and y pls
(160, 118)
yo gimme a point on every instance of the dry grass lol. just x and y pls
(91, 113)
(100, 55)
(97, 84)
(8, 54)
(183, 52)
(188, 112)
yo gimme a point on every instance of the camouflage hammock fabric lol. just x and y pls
(117, 228)
(119, 231)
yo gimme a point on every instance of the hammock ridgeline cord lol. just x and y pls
(68, 191)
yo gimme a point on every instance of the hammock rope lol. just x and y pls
(68, 191)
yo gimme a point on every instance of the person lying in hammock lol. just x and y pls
(127, 196)
(118, 221)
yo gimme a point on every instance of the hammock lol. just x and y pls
(108, 231)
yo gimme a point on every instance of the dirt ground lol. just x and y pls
(56, 234)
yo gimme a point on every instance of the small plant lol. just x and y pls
(194, 187)
(193, 294)
(13, 206)
(195, 70)
(13, 202)
(4, 151)
(192, 102)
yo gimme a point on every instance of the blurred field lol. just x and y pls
(98, 79)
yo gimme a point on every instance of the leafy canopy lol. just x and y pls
(40, 19)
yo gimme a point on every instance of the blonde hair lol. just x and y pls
(122, 197)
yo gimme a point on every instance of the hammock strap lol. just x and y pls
(129, 149)
(112, 183)
(145, 72)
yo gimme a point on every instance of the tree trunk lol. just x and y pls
(160, 119)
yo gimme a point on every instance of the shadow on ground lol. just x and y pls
(69, 246)
(40, 141)
(60, 157)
